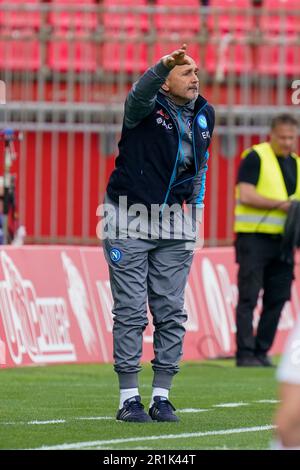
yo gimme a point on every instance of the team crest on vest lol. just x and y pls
(115, 255)
(202, 122)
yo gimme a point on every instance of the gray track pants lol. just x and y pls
(159, 269)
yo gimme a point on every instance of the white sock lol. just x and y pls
(159, 392)
(126, 393)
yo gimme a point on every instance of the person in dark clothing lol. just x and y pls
(268, 179)
(162, 163)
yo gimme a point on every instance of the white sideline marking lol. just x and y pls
(57, 421)
(53, 421)
(12, 423)
(98, 418)
(192, 410)
(267, 401)
(80, 445)
(231, 405)
(95, 418)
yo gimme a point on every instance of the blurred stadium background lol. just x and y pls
(68, 65)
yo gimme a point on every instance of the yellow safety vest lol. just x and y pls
(271, 185)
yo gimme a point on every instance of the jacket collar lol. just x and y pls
(199, 103)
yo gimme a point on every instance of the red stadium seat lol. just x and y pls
(274, 59)
(128, 57)
(64, 54)
(284, 16)
(230, 20)
(132, 21)
(17, 18)
(20, 55)
(233, 58)
(78, 19)
(171, 21)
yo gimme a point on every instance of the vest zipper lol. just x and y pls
(181, 132)
(173, 176)
(194, 150)
(175, 165)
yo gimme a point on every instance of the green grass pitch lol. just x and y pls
(220, 407)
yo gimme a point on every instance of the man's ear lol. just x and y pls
(165, 87)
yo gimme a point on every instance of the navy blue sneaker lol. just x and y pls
(133, 411)
(162, 410)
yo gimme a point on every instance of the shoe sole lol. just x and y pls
(136, 422)
(165, 420)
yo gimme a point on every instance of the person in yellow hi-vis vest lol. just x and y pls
(268, 179)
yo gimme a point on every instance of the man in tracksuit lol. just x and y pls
(162, 162)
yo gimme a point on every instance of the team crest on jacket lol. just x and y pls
(202, 122)
(115, 255)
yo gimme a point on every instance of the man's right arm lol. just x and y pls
(140, 101)
(250, 197)
(247, 180)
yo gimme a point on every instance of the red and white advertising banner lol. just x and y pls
(55, 306)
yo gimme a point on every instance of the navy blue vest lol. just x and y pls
(146, 166)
